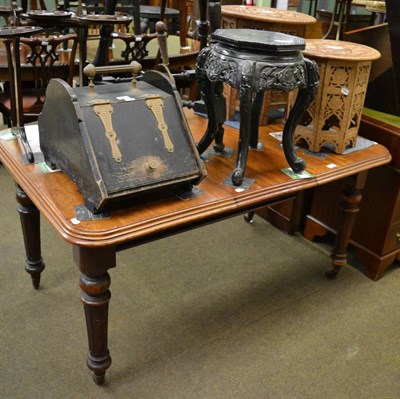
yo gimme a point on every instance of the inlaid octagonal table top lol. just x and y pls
(340, 50)
(268, 14)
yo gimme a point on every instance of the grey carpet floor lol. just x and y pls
(231, 310)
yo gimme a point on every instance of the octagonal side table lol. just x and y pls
(335, 114)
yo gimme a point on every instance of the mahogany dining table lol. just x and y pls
(95, 242)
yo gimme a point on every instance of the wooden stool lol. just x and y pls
(253, 61)
(335, 114)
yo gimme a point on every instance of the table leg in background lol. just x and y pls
(350, 205)
(30, 223)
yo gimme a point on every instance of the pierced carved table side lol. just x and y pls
(335, 114)
(253, 62)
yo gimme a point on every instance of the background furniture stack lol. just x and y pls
(376, 233)
(377, 229)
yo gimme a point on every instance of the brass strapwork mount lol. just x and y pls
(91, 71)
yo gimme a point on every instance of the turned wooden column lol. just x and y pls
(30, 222)
(349, 205)
(94, 282)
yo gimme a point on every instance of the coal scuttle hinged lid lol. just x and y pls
(116, 141)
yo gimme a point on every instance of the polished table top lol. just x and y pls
(340, 50)
(267, 14)
(56, 195)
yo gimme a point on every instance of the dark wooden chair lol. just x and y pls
(44, 58)
(135, 43)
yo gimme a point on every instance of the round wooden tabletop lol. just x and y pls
(340, 50)
(10, 32)
(267, 14)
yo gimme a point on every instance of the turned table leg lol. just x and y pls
(94, 282)
(350, 205)
(30, 223)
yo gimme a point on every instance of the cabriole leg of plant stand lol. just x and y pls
(246, 111)
(303, 100)
(94, 282)
(350, 205)
(30, 223)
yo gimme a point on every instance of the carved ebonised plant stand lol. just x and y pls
(254, 61)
